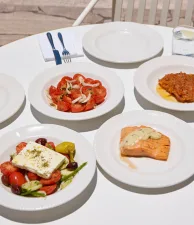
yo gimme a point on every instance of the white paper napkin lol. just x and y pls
(73, 44)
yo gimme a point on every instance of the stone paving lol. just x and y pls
(22, 18)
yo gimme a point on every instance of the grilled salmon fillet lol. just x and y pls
(152, 148)
(180, 85)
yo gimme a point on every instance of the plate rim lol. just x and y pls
(78, 116)
(13, 109)
(51, 204)
(88, 33)
(134, 184)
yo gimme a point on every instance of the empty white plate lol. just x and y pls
(12, 96)
(122, 42)
(57, 134)
(147, 76)
(112, 83)
(146, 172)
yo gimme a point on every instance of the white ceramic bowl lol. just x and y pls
(57, 134)
(113, 84)
(12, 96)
(147, 76)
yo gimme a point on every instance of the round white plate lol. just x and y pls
(113, 84)
(147, 76)
(57, 134)
(12, 96)
(122, 42)
(149, 173)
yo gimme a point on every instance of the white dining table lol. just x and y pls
(105, 201)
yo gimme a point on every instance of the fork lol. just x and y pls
(65, 53)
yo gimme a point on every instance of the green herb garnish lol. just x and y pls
(45, 164)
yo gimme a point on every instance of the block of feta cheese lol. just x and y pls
(39, 159)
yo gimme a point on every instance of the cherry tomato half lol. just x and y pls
(49, 189)
(55, 98)
(98, 99)
(86, 90)
(97, 82)
(59, 92)
(7, 168)
(65, 78)
(17, 178)
(77, 75)
(62, 85)
(20, 147)
(90, 105)
(52, 90)
(88, 81)
(63, 106)
(50, 145)
(67, 99)
(55, 177)
(77, 108)
(75, 93)
(33, 176)
(100, 91)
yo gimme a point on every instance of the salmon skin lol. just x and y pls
(152, 148)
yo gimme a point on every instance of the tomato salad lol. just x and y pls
(77, 94)
(26, 183)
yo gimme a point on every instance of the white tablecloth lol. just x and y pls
(104, 202)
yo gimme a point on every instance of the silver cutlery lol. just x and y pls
(65, 53)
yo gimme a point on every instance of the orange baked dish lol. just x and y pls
(179, 85)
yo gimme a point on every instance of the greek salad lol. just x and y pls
(40, 168)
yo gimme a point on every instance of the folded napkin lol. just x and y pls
(72, 42)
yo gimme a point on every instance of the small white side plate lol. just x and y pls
(122, 42)
(12, 96)
(147, 76)
(57, 134)
(149, 173)
(112, 83)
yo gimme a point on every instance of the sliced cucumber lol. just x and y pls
(32, 185)
(42, 192)
(38, 194)
(34, 193)
(66, 183)
(65, 172)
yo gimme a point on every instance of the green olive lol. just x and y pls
(66, 148)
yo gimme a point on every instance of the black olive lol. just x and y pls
(16, 189)
(41, 141)
(72, 166)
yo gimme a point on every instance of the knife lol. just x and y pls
(55, 52)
